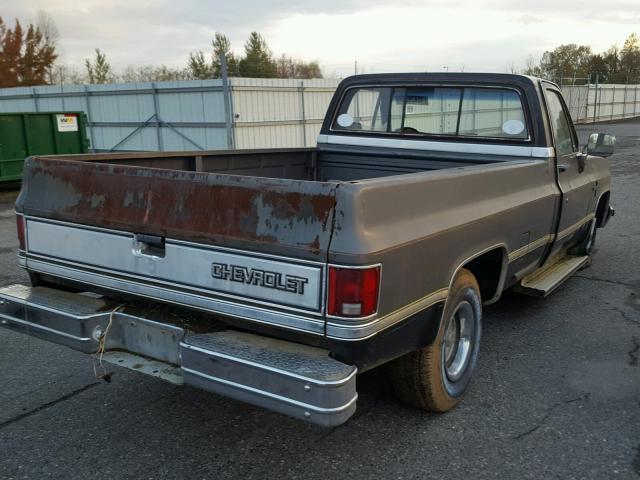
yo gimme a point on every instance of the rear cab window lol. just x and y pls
(466, 112)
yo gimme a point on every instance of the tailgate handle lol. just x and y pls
(149, 245)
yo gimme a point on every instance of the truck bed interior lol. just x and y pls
(295, 164)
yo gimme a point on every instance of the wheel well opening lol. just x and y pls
(601, 209)
(487, 268)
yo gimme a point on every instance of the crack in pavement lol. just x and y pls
(44, 406)
(550, 411)
(606, 280)
(633, 353)
(625, 316)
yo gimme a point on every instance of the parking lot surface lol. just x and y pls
(556, 394)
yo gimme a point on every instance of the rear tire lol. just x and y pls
(436, 376)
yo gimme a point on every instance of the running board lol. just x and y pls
(546, 279)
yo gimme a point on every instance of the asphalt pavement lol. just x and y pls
(556, 394)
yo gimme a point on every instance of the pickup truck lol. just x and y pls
(275, 276)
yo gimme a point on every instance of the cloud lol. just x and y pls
(380, 34)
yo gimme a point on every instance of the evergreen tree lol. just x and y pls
(222, 46)
(258, 59)
(99, 71)
(198, 67)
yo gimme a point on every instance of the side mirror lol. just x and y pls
(601, 144)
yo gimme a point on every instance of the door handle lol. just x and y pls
(563, 167)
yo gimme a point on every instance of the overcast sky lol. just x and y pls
(480, 35)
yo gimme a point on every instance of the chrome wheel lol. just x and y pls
(458, 341)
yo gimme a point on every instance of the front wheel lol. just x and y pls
(436, 376)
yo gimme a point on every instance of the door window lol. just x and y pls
(562, 131)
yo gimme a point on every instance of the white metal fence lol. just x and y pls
(601, 103)
(243, 113)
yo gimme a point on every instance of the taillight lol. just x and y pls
(353, 292)
(21, 232)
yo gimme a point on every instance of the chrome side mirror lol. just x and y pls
(601, 144)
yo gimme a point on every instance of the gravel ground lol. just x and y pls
(556, 395)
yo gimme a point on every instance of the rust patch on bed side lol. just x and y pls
(201, 207)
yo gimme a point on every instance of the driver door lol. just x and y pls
(574, 183)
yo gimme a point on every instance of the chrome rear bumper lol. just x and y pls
(297, 380)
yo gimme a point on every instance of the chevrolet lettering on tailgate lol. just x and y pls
(261, 278)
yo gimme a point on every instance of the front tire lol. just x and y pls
(436, 376)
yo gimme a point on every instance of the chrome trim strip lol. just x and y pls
(453, 147)
(185, 299)
(272, 396)
(141, 279)
(35, 326)
(357, 332)
(530, 247)
(572, 228)
(261, 366)
(522, 251)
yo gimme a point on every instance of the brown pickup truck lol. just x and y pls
(274, 276)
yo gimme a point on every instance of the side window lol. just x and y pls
(364, 109)
(561, 124)
(496, 113)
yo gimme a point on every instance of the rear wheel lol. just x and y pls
(436, 377)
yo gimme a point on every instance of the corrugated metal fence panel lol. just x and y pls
(279, 112)
(589, 103)
(190, 114)
(266, 112)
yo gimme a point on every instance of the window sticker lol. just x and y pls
(345, 120)
(513, 127)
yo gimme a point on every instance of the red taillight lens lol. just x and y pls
(353, 292)
(21, 232)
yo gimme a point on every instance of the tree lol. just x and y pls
(566, 61)
(153, 73)
(630, 58)
(258, 59)
(532, 67)
(598, 69)
(25, 56)
(67, 74)
(222, 46)
(198, 67)
(287, 67)
(47, 25)
(611, 58)
(99, 71)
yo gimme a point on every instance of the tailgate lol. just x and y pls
(277, 216)
(252, 248)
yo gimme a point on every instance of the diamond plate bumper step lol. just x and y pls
(290, 378)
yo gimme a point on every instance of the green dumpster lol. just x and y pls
(42, 133)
